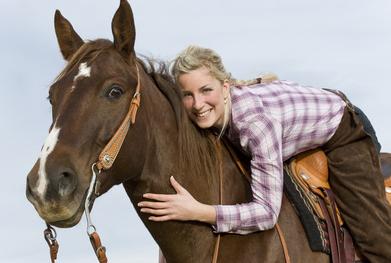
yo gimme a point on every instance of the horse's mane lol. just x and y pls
(196, 146)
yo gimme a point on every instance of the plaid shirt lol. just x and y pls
(273, 122)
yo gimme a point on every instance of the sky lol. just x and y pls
(336, 44)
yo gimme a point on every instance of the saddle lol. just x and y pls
(309, 171)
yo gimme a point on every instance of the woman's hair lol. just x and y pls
(195, 57)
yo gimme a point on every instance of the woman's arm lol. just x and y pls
(261, 135)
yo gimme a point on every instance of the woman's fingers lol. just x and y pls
(154, 205)
(157, 212)
(158, 197)
(161, 218)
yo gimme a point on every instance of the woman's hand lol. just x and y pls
(180, 206)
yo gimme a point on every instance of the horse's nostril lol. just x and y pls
(66, 183)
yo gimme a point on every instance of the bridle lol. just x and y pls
(110, 152)
(105, 161)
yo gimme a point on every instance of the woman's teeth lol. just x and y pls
(203, 114)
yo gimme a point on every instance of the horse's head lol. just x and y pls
(89, 98)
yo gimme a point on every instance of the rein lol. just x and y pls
(105, 161)
(220, 159)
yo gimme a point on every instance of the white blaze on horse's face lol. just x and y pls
(84, 72)
(48, 147)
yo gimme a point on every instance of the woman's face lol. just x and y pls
(203, 97)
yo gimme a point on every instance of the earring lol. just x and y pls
(225, 100)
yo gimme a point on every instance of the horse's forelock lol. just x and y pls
(87, 53)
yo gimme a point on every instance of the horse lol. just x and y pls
(90, 98)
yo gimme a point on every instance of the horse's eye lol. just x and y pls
(115, 92)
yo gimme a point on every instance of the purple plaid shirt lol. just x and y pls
(272, 122)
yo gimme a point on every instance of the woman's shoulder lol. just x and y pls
(261, 88)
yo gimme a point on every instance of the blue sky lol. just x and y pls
(344, 45)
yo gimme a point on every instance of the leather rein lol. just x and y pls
(105, 161)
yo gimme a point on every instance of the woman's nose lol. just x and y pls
(198, 102)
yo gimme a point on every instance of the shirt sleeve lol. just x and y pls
(261, 136)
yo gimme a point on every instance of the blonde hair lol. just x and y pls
(195, 57)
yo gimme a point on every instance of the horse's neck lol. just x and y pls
(178, 240)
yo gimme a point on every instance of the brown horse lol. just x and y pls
(90, 98)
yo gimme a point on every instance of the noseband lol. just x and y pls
(105, 161)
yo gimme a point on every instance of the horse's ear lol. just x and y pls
(123, 29)
(68, 40)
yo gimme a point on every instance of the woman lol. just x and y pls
(273, 122)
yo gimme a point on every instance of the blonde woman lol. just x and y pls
(271, 123)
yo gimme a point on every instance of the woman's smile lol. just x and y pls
(203, 114)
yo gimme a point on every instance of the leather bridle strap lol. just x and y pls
(111, 150)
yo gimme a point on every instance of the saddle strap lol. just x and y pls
(330, 202)
(330, 232)
(344, 239)
(341, 242)
(348, 246)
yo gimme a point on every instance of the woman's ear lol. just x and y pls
(226, 86)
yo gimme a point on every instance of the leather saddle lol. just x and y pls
(309, 171)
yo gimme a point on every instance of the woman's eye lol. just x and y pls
(115, 92)
(206, 90)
